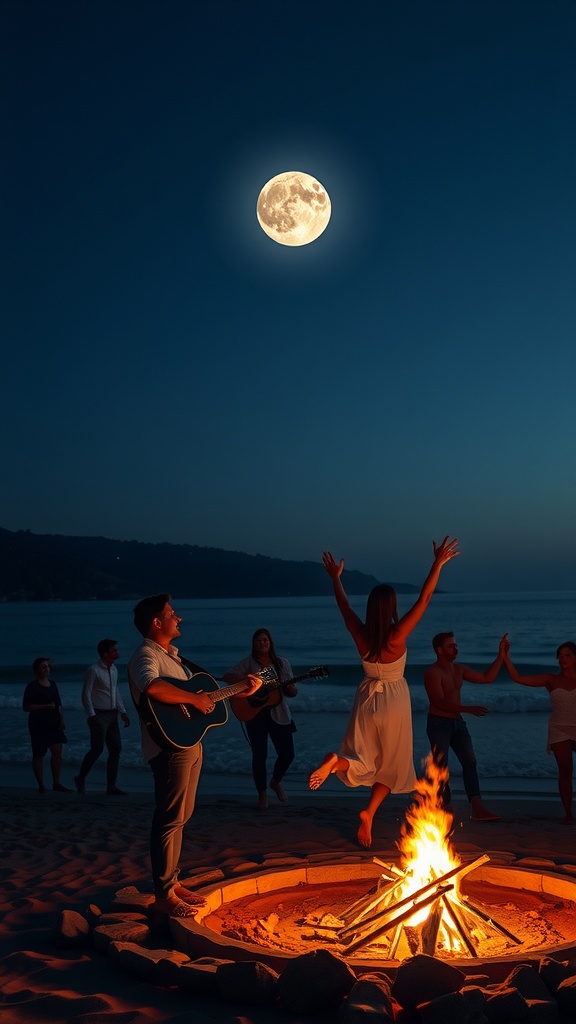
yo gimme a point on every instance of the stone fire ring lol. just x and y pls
(196, 939)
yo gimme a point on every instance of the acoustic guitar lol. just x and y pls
(270, 693)
(178, 726)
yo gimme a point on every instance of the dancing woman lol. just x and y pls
(562, 723)
(377, 747)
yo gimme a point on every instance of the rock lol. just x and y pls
(553, 972)
(135, 958)
(504, 1005)
(93, 915)
(247, 981)
(130, 931)
(369, 1000)
(566, 997)
(528, 981)
(166, 970)
(315, 981)
(542, 1011)
(423, 978)
(199, 976)
(72, 931)
(129, 899)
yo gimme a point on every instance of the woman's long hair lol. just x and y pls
(273, 656)
(381, 617)
(570, 645)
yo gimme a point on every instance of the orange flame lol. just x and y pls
(425, 847)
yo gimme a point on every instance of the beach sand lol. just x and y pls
(62, 851)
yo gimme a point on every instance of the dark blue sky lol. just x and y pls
(172, 374)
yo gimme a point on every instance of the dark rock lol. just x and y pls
(528, 981)
(369, 1000)
(566, 996)
(199, 976)
(315, 981)
(247, 981)
(542, 1011)
(423, 978)
(130, 931)
(553, 972)
(506, 1005)
(72, 931)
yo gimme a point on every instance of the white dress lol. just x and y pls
(562, 723)
(378, 738)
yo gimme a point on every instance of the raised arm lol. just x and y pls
(546, 679)
(442, 553)
(353, 623)
(471, 676)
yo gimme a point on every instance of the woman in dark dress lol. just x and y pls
(46, 723)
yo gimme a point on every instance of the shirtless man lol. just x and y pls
(445, 726)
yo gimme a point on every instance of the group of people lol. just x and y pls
(377, 748)
(102, 701)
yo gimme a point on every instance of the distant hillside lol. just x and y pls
(49, 567)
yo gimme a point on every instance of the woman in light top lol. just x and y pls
(272, 719)
(377, 747)
(562, 724)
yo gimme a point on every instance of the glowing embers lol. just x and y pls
(418, 908)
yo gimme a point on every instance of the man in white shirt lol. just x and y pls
(103, 703)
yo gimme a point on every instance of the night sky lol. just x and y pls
(173, 374)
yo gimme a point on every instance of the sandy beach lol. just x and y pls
(61, 851)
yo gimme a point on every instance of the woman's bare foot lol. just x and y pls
(262, 802)
(277, 788)
(321, 774)
(365, 831)
(193, 899)
(174, 907)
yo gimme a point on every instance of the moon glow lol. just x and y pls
(293, 208)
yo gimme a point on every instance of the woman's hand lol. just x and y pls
(445, 551)
(333, 568)
(504, 647)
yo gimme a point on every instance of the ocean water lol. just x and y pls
(510, 742)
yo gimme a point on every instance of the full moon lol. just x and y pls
(293, 208)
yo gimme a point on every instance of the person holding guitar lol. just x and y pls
(273, 718)
(154, 672)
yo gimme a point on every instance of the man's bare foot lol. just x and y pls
(262, 802)
(365, 831)
(193, 899)
(481, 813)
(173, 907)
(321, 774)
(277, 788)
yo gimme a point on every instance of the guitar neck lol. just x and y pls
(228, 691)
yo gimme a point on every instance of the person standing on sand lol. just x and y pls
(103, 703)
(155, 669)
(273, 721)
(562, 724)
(45, 723)
(445, 726)
(377, 747)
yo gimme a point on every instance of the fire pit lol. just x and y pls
(376, 913)
(276, 915)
